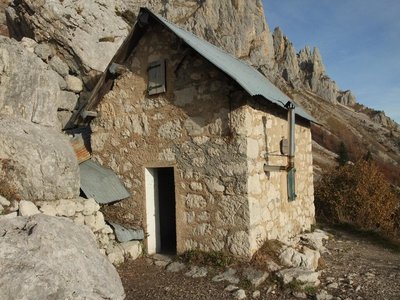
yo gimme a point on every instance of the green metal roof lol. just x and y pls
(101, 183)
(246, 76)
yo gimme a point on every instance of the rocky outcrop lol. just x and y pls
(286, 59)
(346, 98)
(313, 75)
(306, 70)
(38, 162)
(381, 118)
(45, 257)
(86, 34)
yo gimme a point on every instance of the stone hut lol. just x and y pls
(202, 141)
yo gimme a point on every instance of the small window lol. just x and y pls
(156, 72)
(291, 183)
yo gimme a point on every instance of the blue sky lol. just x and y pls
(359, 41)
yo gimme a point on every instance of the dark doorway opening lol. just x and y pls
(167, 215)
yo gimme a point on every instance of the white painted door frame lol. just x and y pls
(152, 211)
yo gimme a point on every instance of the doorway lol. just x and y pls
(160, 210)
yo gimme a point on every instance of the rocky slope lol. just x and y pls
(84, 35)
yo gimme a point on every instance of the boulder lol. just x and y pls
(38, 162)
(45, 257)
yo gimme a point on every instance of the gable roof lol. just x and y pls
(252, 81)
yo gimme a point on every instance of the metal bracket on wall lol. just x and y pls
(268, 169)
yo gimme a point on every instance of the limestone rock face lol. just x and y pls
(346, 98)
(46, 257)
(237, 26)
(28, 88)
(38, 162)
(286, 58)
(88, 33)
(314, 76)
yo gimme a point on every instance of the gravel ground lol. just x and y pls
(356, 268)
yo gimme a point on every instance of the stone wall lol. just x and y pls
(195, 127)
(272, 216)
(213, 135)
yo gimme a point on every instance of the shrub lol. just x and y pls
(358, 195)
(7, 189)
(203, 258)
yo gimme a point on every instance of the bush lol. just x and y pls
(7, 189)
(358, 195)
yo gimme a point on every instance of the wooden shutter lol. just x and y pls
(156, 73)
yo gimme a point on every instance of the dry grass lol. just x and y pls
(268, 251)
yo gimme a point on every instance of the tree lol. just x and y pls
(343, 157)
(368, 156)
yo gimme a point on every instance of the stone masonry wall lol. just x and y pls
(195, 127)
(272, 216)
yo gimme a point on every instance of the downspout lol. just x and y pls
(291, 170)
(291, 123)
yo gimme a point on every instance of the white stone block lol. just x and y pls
(116, 256)
(74, 84)
(90, 207)
(79, 219)
(27, 208)
(132, 249)
(66, 208)
(48, 210)
(95, 222)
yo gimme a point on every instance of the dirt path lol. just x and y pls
(363, 268)
(356, 268)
